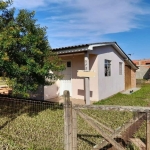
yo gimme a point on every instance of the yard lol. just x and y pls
(40, 126)
(139, 98)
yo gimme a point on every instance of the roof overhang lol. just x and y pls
(90, 47)
(119, 50)
(72, 50)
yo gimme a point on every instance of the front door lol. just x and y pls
(65, 83)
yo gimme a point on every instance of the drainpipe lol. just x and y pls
(87, 85)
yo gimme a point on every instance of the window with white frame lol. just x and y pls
(107, 67)
(120, 68)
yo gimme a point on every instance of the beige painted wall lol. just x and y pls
(78, 82)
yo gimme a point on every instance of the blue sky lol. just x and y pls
(72, 22)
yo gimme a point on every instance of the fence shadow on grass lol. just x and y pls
(84, 137)
(14, 107)
(31, 124)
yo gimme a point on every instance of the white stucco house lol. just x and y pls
(113, 69)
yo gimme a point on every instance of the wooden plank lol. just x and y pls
(119, 132)
(74, 129)
(83, 73)
(67, 121)
(5, 90)
(113, 107)
(137, 142)
(100, 131)
(102, 125)
(129, 132)
(148, 131)
(127, 77)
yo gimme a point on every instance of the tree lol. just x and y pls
(25, 55)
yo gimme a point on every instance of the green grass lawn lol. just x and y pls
(41, 127)
(138, 98)
(31, 126)
(26, 126)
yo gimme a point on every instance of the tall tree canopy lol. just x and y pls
(25, 55)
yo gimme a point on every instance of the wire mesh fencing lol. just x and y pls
(31, 125)
(42, 125)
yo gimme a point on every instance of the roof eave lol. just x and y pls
(72, 50)
(126, 58)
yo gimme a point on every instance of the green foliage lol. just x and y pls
(25, 55)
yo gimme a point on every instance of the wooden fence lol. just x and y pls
(124, 132)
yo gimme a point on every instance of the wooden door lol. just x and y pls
(127, 77)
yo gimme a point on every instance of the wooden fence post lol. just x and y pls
(67, 121)
(74, 129)
(148, 131)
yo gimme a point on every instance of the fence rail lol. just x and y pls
(120, 138)
(29, 124)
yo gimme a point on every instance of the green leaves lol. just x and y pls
(5, 4)
(25, 55)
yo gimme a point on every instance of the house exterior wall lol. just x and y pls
(78, 82)
(109, 85)
(101, 86)
(77, 63)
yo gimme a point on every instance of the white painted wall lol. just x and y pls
(115, 83)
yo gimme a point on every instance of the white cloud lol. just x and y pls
(87, 18)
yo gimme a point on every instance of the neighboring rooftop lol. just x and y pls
(142, 62)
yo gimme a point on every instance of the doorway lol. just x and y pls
(65, 82)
